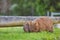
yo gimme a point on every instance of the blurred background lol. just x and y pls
(29, 7)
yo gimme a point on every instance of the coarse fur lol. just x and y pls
(39, 24)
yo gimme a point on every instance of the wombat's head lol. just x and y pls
(28, 26)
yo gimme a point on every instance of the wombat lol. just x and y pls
(39, 24)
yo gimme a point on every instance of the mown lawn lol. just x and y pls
(17, 33)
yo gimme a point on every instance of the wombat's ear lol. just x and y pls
(36, 24)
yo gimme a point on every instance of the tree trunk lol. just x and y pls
(5, 6)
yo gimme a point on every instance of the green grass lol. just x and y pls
(17, 33)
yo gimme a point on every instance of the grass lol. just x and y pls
(17, 33)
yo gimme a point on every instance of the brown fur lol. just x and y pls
(40, 24)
